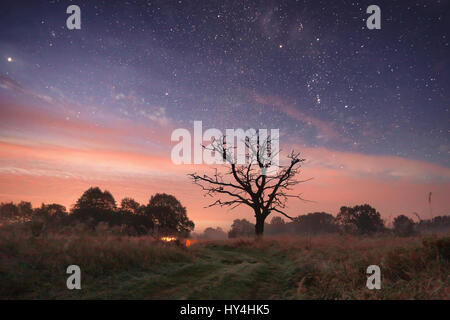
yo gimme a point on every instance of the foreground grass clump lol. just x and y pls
(325, 267)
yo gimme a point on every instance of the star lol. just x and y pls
(9, 59)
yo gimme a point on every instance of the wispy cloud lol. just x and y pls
(9, 84)
(326, 129)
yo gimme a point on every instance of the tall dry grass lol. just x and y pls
(28, 262)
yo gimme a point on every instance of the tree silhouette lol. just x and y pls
(314, 223)
(277, 225)
(276, 221)
(94, 198)
(51, 211)
(169, 215)
(241, 228)
(214, 234)
(95, 205)
(403, 226)
(249, 184)
(133, 216)
(360, 219)
(129, 205)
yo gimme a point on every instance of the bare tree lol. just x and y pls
(251, 184)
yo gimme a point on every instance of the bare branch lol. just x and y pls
(247, 183)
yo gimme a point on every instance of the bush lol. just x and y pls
(404, 226)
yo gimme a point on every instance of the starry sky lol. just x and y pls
(368, 109)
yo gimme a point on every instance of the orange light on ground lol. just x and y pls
(168, 239)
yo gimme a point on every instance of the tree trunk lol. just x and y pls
(259, 226)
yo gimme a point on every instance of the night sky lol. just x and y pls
(369, 102)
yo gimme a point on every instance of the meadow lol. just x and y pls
(122, 267)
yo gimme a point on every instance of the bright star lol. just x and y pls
(9, 59)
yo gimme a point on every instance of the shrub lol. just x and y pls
(404, 226)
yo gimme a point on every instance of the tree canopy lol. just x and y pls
(403, 226)
(241, 228)
(362, 219)
(315, 223)
(94, 198)
(169, 215)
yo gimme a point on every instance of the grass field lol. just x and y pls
(119, 267)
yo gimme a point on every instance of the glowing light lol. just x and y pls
(9, 59)
(168, 239)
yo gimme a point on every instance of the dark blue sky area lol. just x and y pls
(310, 68)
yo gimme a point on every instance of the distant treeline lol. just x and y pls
(163, 215)
(358, 220)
